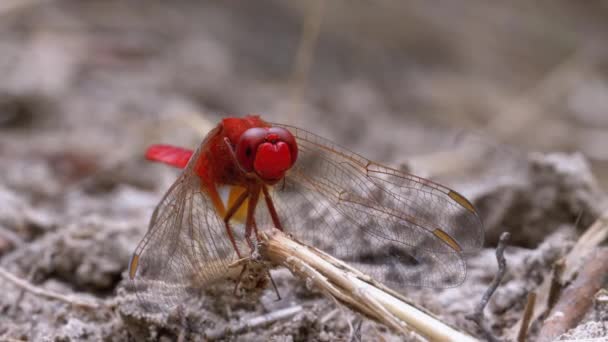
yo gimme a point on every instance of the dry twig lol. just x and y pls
(305, 52)
(72, 300)
(593, 236)
(10, 339)
(8, 238)
(12, 6)
(556, 283)
(588, 242)
(527, 317)
(600, 304)
(477, 316)
(577, 298)
(525, 112)
(256, 322)
(355, 289)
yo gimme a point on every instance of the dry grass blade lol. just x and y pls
(593, 237)
(478, 316)
(577, 299)
(355, 289)
(528, 312)
(586, 244)
(10, 339)
(556, 283)
(255, 322)
(79, 302)
(11, 6)
(305, 53)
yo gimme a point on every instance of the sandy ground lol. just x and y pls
(505, 103)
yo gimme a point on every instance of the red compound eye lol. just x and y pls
(286, 137)
(270, 152)
(247, 147)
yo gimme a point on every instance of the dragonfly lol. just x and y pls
(249, 175)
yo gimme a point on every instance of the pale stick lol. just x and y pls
(38, 291)
(354, 289)
(587, 243)
(255, 322)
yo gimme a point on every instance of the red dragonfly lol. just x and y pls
(248, 175)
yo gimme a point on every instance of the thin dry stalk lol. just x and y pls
(72, 300)
(593, 237)
(10, 339)
(524, 111)
(601, 296)
(478, 316)
(305, 52)
(528, 312)
(355, 289)
(556, 283)
(577, 298)
(586, 244)
(8, 238)
(8, 7)
(256, 322)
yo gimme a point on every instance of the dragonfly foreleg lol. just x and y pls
(231, 211)
(250, 222)
(271, 209)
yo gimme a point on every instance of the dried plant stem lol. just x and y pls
(305, 53)
(575, 260)
(10, 237)
(354, 289)
(13, 6)
(528, 312)
(256, 322)
(595, 235)
(21, 283)
(556, 283)
(10, 339)
(478, 316)
(577, 299)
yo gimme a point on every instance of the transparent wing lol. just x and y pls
(185, 248)
(399, 228)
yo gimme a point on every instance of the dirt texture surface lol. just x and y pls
(507, 103)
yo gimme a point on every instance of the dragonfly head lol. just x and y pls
(267, 151)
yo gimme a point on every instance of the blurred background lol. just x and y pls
(390, 79)
(463, 92)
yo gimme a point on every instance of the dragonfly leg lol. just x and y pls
(271, 209)
(238, 281)
(233, 154)
(231, 211)
(252, 225)
(250, 222)
(276, 289)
